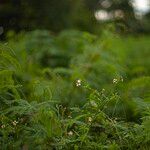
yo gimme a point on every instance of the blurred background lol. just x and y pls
(57, 42)
(129, 16)
(50, 50)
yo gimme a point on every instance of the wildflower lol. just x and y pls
(90, 119)
(78, 83)
(121, 79)
(69, 116)
(115, 81)
(3, 126)
(70, 133)
(14, 123)
(116, 118)
(93, 103)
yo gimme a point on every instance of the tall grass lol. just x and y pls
(74, 91)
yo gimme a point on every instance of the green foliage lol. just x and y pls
(74, 91)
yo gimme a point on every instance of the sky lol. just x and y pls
(141, 5)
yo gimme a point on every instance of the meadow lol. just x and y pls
(74, 90)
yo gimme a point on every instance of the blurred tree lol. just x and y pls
(10, 14)
(57, 15)
(123, 15)
(120, 11)
(50, 14)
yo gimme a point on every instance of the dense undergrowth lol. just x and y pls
(74, 91)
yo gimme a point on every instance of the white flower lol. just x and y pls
(69, 116)
(121, 79)
(3, 126)
(78, 83)
(93, 103)
(90, 119)
(70, 133)
(14, 123)
(115, 81)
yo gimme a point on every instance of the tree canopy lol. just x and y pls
(57, 15)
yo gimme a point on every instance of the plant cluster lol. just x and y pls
(74, 91)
